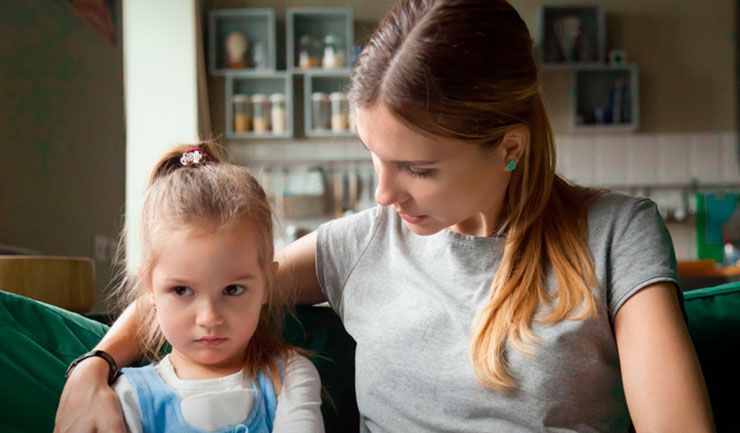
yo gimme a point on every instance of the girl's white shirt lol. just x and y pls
(209, 404)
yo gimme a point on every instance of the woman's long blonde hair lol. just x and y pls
(464, 70)
(215, 194)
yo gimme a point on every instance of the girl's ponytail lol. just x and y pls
(173, 159)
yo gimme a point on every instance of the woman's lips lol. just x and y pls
(413, 219)
(210, 341)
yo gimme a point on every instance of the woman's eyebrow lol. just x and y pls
(404, 163)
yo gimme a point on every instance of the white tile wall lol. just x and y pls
(628, 159)
(649, 159)
(730, 161)
(610, 160)
(705, 157)
(578, 157)
(642, 160)
(673, 158)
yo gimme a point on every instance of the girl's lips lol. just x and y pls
(413, 219)
(209, 341)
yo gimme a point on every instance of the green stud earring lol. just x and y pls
(511, 166)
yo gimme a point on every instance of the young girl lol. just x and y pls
(205, 284)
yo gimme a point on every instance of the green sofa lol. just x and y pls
(37, 341)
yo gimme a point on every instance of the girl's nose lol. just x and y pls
(209, 315)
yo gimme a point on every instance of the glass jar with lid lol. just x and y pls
(242, 112)
(277, 112)
(260, 114)
(320, 111)
(339, 112)
(309, 52)
(333, 52)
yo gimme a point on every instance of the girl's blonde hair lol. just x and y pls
(464, 70)
(212, 194)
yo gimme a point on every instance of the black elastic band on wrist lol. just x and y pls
(112, 373)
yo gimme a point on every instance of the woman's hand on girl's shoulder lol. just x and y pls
(88, 404)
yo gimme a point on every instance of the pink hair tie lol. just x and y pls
(194, 155)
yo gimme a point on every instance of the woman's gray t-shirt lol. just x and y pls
(409, 302)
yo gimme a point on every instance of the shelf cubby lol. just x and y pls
(572, 35)
(256, 25)
(266, 84)
(606, 98)
(326, 82)
(317, 23)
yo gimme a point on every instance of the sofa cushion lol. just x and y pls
(38, 342)
(714, 326)
(319, 330)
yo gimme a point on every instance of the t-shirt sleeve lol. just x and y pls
(340, 245)
(299, 401)
(641, 252)
(129, 404)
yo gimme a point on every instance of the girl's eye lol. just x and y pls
(420, 173)
(183, 291)
(234, 290)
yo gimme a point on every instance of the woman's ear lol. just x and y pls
(514, 143)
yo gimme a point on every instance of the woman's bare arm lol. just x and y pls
(87, 403)
(298, 269)
(662, 379)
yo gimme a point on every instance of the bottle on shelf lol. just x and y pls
(260, 114)
(242, 110)
(333, 53)
(259, 57)
(320, 111)
(277, 113)
(308, 53)
(339, 112)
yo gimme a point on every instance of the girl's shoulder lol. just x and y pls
(296, 364)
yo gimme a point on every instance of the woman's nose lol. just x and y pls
(209, 315)
(389, 191)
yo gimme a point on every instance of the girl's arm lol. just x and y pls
(299, 401)
(88, 404)
(662, 379)
(297, 269)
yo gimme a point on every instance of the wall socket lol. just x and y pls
(104, 248)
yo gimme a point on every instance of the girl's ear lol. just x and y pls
(147, 285)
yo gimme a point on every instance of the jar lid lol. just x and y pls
(277, 97)
(259, 97)
(240, 98)
(331, 39)
(319, 96)
(338, 96)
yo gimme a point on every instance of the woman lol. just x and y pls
(485, 293)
